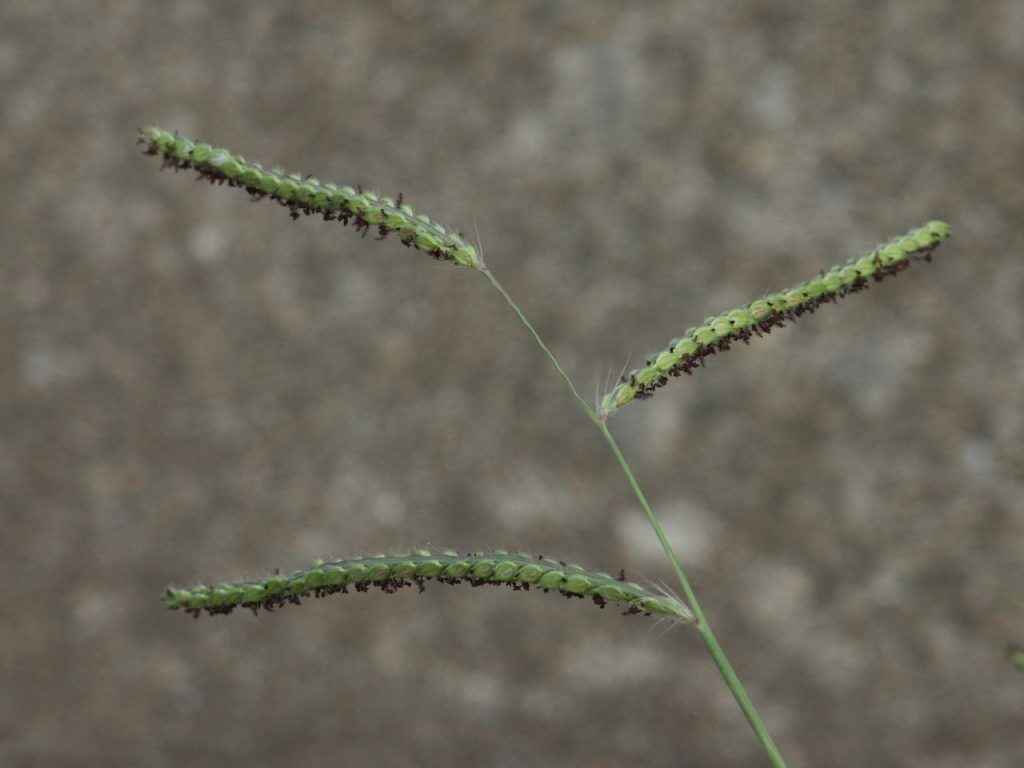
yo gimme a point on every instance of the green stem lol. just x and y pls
(540, 342)
(721, 660)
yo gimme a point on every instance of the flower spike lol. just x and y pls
(392, 572)
(758, 317)
(308, 195)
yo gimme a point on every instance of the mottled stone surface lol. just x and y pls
(192, 386)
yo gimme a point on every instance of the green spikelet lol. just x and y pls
(718, 333)
(392, 572)
(308, 195)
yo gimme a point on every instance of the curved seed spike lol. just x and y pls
(364, 210)
(762, 315)
(392, 572)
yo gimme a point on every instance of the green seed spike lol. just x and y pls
(392, 572)
(308, 195)
(762, 315)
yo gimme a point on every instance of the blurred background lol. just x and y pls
(195, 387)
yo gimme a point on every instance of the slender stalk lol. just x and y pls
(540, 342)
(707, 635)
(721, 660)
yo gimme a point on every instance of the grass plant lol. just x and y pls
(368, 211)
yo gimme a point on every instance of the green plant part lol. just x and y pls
(1016, 654)
(308, 195)
(366, 209)
(758, 317)
(392, 572)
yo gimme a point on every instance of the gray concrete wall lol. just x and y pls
(192, 386)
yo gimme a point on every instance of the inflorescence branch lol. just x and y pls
(759, 317)
(308, 195)
(392, 572)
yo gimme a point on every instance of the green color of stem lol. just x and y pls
(707, 635)
(721, 660)
(540, 343)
